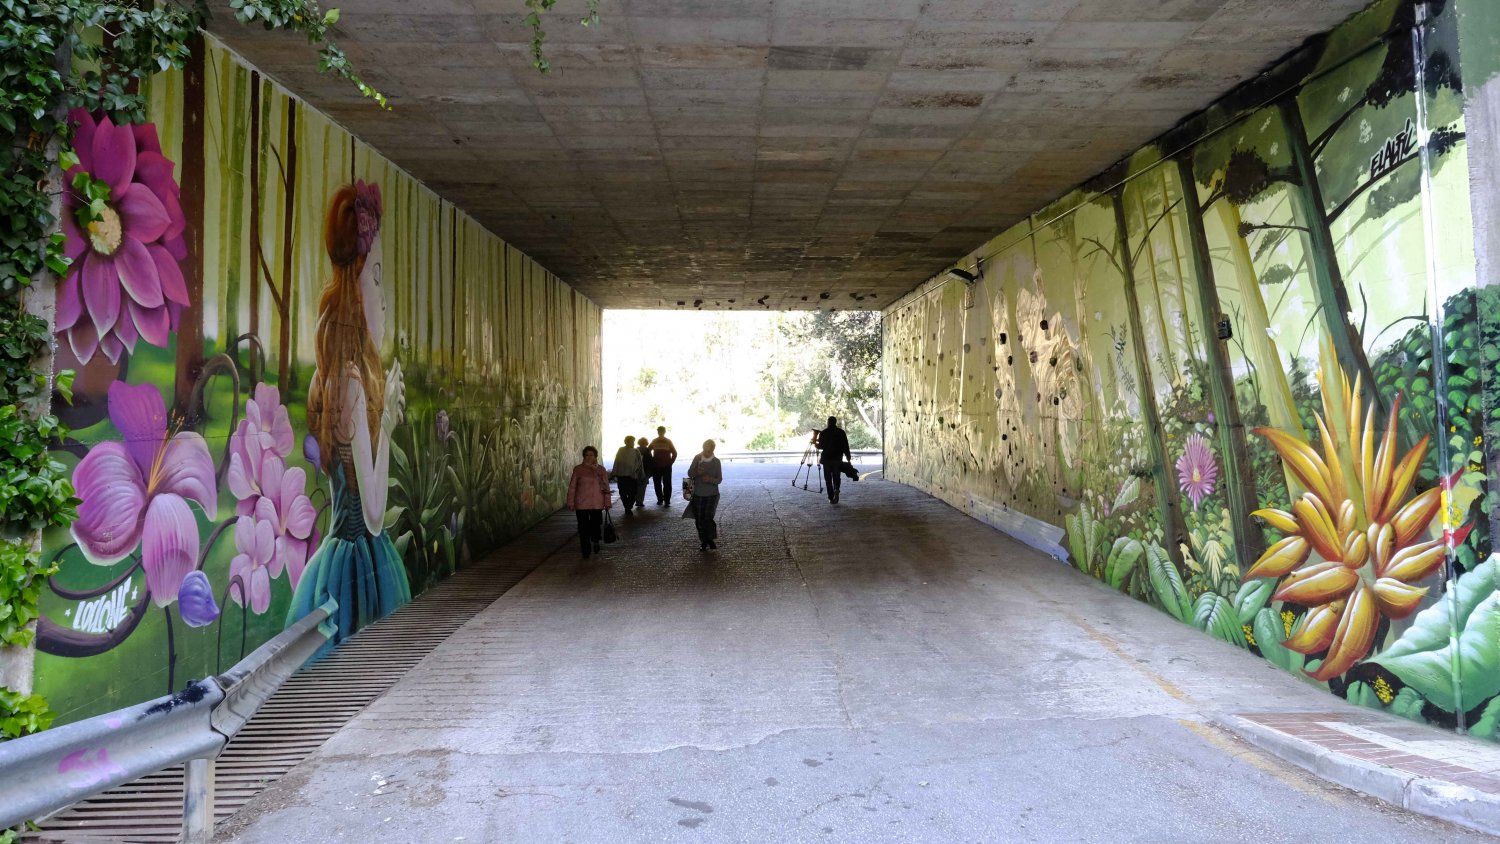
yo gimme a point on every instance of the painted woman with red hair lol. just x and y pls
(352, 408)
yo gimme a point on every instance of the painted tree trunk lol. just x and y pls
(1239, 481)
(1328, 279)
(257, 154)
(1275, 391)
(1173, 526)
(190, 329)
(288, 250)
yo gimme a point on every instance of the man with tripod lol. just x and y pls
(835, 445)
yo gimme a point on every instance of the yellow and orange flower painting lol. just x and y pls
(1357, 542)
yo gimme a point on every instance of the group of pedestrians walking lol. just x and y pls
(643, 466)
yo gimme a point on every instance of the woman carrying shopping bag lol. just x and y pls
(588, 498)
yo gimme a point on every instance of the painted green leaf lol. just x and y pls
(1129, 492)
(1252, 598)
(1215, 615)
(1269, 636)
(1485, 727)
(1123, 556)
(1408, 704)
(1423, 657)
(1167, 583)
(1360, 694)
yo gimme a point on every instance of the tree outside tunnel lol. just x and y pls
(753, 381)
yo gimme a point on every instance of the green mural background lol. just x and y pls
(498, 360)
(1238, 377)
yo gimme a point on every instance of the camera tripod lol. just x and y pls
(810, 468)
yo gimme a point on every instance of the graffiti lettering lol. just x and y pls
(1396, 149)
(106, 612)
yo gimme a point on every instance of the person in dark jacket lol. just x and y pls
(663, 455)
(628, 472)
(835, 445)
(643, 445)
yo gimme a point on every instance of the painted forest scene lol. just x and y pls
(1238, 377)
(301, 376)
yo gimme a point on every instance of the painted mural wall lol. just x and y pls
(1239, 377)
(300, 376)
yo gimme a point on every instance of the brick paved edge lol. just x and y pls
(1459, 804)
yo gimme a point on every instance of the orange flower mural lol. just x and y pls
(1358, 516)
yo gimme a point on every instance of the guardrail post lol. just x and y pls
(198, 802)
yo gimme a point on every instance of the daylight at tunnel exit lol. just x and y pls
(750, 420)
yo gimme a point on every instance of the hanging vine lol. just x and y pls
(533, 19)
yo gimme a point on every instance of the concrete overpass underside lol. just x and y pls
(776, 153)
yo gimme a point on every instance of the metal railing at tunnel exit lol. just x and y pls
(861, 456)
(52, 770)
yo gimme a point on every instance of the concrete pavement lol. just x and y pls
(887, 670)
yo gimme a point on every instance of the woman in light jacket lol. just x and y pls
(588, 498)
(707, 473)
(628, 473)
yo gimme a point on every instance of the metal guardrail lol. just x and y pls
(860, 455)
(43, 773)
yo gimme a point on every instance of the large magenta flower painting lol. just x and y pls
(134, 493)
(124, 284)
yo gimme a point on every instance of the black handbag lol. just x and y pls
(609, 529)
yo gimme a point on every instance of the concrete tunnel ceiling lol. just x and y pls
(775, 153)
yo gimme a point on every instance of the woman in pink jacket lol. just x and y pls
(588, 497)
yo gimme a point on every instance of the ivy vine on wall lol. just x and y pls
(57, 55)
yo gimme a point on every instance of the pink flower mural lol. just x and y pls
(266, 489)
(263, 438)
(292, 517)
(1197, 471)
(255, 540)
(134, 493)
(125, 284)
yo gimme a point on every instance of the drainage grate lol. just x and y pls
(313, 704)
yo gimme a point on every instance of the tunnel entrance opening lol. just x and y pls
(752, 381)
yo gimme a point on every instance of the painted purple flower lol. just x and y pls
(124, 284)
(195, 600)
(286, 507)
(1197, 472)
(444, 427)
(312, 452)
(135, 493)
(255, 539)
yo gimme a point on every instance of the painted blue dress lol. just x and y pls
(362, 572)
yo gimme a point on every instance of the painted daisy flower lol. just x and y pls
(1197, 471)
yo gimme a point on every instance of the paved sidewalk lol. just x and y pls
(887, 670)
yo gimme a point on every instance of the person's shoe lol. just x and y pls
(596, 547)
(714, 545)
(702, 546)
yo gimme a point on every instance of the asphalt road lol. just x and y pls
(884, 670)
